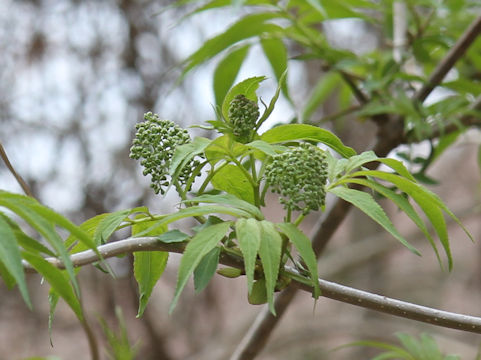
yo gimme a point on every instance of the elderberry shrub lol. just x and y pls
(154, 144)
(299, 175)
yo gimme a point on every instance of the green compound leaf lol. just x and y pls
(276, 53)
(249, 236)
(233, 181)
(290, 132)
(226, 72)
(247, 87)
(231, 200)
(200, 245)
(196, 211)
(28, 209)
(107, 225)
(304, 246)
(148, 265)
(248, 26)
(366, 203)
(224, 147)
(12, 260)
(258, 295)
(270, 253)
(324, 88)
(206, 269)
(403, 203)
(429, 202)
(58, 280)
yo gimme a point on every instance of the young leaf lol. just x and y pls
(248, 88)
(200, 245)
(233, 181)
(270, 253)
(173, 236)
(107, 225)
(185, 153)
(226, 72)
(10, 257)
(231, 200)
(206, 269)
(304, 246)
(248, 26)
(365, 202)
(249, 236)
(148, 266)
(57, 280)
(276, 53)
(290, 132)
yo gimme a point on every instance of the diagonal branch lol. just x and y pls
(454, 54)
(328, 289)
(8, 164)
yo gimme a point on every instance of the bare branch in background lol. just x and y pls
(8, 164)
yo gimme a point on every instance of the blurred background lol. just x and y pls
(75, 77)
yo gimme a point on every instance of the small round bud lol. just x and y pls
(243, 115)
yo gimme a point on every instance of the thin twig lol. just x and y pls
(454, 54)
(328, 289)
(20, 181)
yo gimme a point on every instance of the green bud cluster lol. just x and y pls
(299, 175)
(243, 115)
(154, 144)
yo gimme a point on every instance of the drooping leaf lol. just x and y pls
(247, 87)
(206, 269)
(365, 202)
(403, 204)
(58, 281)
(10, 257)
(53, 298)
(248, 233)
(270, 253)
(304, 246)
(228, 199)
(233, 181)
(276, 53)
(148, 265)
(429, 202)
(290, 132)
(200, 245)
(24, 207)
(227, 70)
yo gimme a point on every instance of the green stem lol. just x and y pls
(299, 219)
(209, 178)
